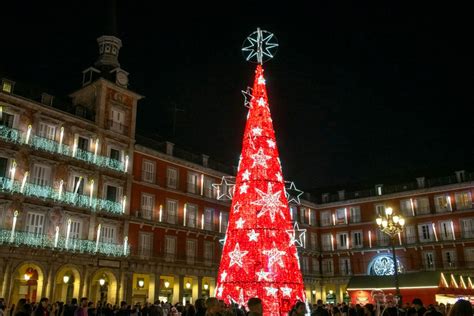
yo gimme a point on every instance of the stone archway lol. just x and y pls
(27, 282)
(103, 286)
(67, 283)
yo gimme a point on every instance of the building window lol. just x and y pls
(47, 131)
(463, 200)
(429, 260)
(446, 230)
(380, 209)
(344, 266)
(82, 143)
(114, 154)
(35, 223)
(108, 234)
(75, 231)
(193, 182)
(406, 207)
(315, 265)
(170, 248)
(7, 119)
(224, 222)
(449, 259)
(326, 240)
(172, 178)
(171, 211)
(78, 184)
(147, 205)
(422, 205)
(425, 232)
(303, 219)
(208, 189)
(190, 250)
(117, 120)
(314, 241)
(191, 215)
(355, 214)
(7, 86)
(328, 267)
(443, 203)
(341, 216)
(113, 193)
(469, 257)
(4, 167)
(312, 216)
(305, 264)
(326, 218)
(41, 175)
(382, 238)
(342, 241)
(293, 212)
(145, 244)
(357, 241)
(148, 171)
(208, 218)
(410, 233)
(208, 252)
(467, 227)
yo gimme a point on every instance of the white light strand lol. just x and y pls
(28, 134)
(23, 182)
(98, 238)
(12, 235)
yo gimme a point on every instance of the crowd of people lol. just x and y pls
(214, 307)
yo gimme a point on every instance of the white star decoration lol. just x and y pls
(219, 290)
(261, 80)
(270, 202)
(223, 276)
(236, 256)
(292, 193)
(246, 175)
(279, 177)
(257, 131)
(274, 256)
(286, 290)
(271, 290)
(271, 143)
(262, 275)
(240, 223)
(261, 102)
(225, 189)
(243, 188)
(247, 97)
(296, 235)
(253, 236)
(260, 159)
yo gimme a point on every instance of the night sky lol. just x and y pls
(359, 93)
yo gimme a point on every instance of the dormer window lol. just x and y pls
(7, 86)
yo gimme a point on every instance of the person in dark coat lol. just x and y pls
(42, 309)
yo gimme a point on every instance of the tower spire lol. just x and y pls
(109, 43)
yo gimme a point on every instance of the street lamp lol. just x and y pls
(101, 281)
(66, 279)
(392, 225)
(206, 286)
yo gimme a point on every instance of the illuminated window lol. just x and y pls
(7, 86)
(35, 223)
(443, 203)
(422, 205)
(108, 233)
(463, 200)
(47, 131)
(341, 216)
(41, 175)
(355, 214)
(75, 232)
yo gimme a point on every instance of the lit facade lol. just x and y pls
(65, 184)
(175, 225)
(343, 239)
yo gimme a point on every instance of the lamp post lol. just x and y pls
(392, 225)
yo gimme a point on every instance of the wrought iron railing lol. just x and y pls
(40, 143)
(27, 239)
(48, 193)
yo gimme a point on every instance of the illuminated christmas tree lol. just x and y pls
(259, 257)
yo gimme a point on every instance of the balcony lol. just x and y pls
(117, 127)
(15, 136)
(175, 259)
(26, 239)
(69, 198)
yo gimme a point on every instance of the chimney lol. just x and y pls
(169, 148)
(460, 176)
(421, 182)
(325, 197)
(341, 195)
(205, 160)
(47, 99)
(378, 189)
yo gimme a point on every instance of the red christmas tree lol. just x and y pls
(259, 258)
